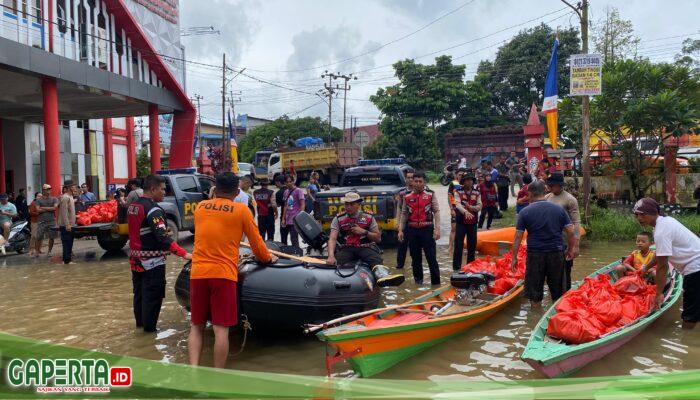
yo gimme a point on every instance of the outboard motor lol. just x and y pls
(470, 286)
(311, 234)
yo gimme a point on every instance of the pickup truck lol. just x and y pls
(379, 186)
(183, 190)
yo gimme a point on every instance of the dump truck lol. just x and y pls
(328, 160)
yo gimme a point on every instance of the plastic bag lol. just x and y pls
(608, 311)
(502, 285)
(572, 300)
(575, 327)
(631, 284)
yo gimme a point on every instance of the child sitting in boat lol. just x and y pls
(640, 257)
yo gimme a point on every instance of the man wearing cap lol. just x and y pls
(66, 219)
(678, 246)
(568, 202)
(46, 221)
(358, 235)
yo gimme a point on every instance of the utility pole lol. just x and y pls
(581, 10)
(197, 98)
(345, 89)
(329, 91)
(224, 141)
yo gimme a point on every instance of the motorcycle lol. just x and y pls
(20, 235)
(448, 173)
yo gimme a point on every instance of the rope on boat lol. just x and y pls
(246, 327)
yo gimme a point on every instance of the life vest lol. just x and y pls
(263, 198)
(148, 243)
(455, 187)
(420, 209)
(470, 198)
(345, 225)
(640, 260)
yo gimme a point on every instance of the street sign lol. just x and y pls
(361, 138)
(565, 153)
(586, 74)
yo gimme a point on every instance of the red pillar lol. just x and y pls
(52, 150)
(130, 147)
(154, 137)
(109, 157)
(534, 140)
(3, 184)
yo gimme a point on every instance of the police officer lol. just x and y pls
(358, 235)
(420, 226)
(149, 243)
(400, 198)
(467, 206)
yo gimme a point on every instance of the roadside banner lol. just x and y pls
(586, 74)
(551, 96)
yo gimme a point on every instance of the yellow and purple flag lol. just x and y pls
(551, 96)
(234, 145)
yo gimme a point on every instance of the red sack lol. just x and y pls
(482, 265)
(631, 284)
(631, 308)
(575, 327)
(608, 312)
(502, 285)
(571, 301)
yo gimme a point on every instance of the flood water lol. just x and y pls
(88, 305)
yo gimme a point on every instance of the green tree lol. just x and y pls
(690, 55)
(415, 109)
(143, 162)
(286, 130)
(516, 77)
(614, 37)
(641, 106)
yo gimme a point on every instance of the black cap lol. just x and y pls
(556, 178)
(4, 196)
(68, 183)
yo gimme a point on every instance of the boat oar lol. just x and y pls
(310, 328)
(310, 260)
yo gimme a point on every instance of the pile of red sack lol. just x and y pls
(505, 279)
(598, 307)
(100, 212)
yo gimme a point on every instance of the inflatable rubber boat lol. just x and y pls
(289, 294)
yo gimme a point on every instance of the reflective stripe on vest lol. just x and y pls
(420, 209)
(345, 225)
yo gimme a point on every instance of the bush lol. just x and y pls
(611, 225)
(432, 177)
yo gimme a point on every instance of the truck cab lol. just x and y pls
(379, 185)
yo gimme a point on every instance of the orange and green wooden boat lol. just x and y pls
(384, 338)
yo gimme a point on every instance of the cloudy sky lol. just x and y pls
(285, 45)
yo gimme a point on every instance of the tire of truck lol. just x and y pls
(110, 242)
(173, 230)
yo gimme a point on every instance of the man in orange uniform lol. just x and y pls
(220, 225)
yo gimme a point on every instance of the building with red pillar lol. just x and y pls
(74, 74)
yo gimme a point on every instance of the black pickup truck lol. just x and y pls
(182, 193)
(379, 187)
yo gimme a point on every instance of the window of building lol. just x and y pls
(9, 6)
(187, 184)
(121, 163)
(61, 16)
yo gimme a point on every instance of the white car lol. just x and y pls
(246, 169)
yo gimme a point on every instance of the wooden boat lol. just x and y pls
(382, 339)
(554, 358)
(494, 242)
